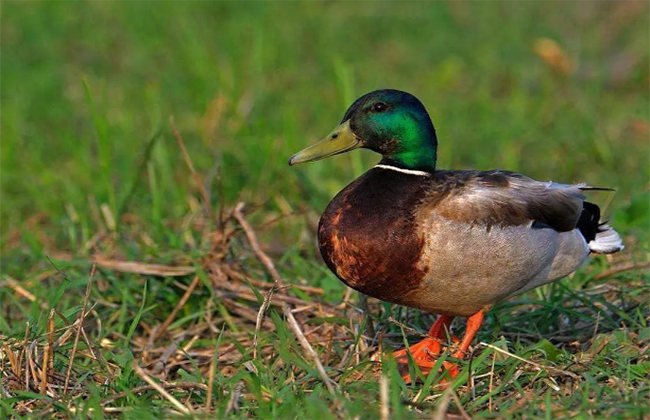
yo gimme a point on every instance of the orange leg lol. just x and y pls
(473, 325)
(423, 352)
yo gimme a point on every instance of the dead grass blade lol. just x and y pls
(309, 350)
(79, 327)
(208, 402)
(261, 314)
(178, 307)
(48, 353)
(161, 390)
(235, 396)
(461, 409)
(190, 165)
(13, 283)
(25, 354)
(384, 408)
(143, 388)
(255, 245)
(621, 268)
(135, 267)
(443, 405)
(529, 362)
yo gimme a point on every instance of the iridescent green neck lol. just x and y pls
(414, 141)
(422, 159)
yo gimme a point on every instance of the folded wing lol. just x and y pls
(502, 198)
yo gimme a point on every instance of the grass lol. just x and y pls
(91, 172)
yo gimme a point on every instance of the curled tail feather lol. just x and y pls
(607, 241)
(600, 237)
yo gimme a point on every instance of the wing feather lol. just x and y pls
(505, 198)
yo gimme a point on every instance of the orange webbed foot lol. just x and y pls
(425, 364)
(425, 351)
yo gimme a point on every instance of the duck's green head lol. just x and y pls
(390, 122)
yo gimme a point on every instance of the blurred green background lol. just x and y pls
(89, 165)
(85, 86)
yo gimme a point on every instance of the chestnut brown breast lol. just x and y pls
(369, 234)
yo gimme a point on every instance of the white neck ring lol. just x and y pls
(404, 171)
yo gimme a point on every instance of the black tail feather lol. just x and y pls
(589, 221)
(589, 188)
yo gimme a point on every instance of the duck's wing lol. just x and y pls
(503, 198)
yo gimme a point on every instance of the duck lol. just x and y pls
(449, 242)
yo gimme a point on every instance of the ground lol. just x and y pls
(132, 131)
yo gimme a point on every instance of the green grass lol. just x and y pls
(89, 167)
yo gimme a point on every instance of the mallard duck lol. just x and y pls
(452, 243)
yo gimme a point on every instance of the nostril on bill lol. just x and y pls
(335, 136)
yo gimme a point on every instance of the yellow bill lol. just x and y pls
(341, 140)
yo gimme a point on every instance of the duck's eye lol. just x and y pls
(379, 107)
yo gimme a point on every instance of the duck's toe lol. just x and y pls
(448, 370)
(425, 354)
(424, 351)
